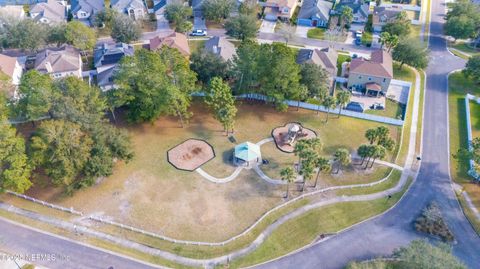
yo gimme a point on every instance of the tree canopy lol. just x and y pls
(411, 52)
(208, 65)
(36, 95)
(217, 10)
(315, 78)
(399, 27)
(125, 29)
(24, 34)
(80, 36)
(421, 254)
(472, 68)
(155, 84)
(242, 27)
(178, 13)
(220, 99)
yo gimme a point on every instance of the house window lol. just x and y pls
(369, 78)
(359, 77)
(384, 80)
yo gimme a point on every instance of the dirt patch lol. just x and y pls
(190, 155)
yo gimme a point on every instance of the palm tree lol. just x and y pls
(371, 135)
(343, 97)
(307, 168)
(329, 103)
(379, 152)
(341, 157)
(362, 151)
(287, 174)
(314, 144)
(322, 164)
(371, 151)
(299, 147)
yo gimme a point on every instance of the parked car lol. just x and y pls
(358, 41)
(198, 32)
(355, 106)
(377, 106)
(358, 34)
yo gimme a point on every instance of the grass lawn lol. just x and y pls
(196, 45)
(392, 109)
(464, 47)
(316, 33)
(304, 229)
(387, 184)
(340, 60)
(458, 87)
(185, 205)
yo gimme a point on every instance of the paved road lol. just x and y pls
(387, 232)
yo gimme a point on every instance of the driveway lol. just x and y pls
(302, 31)
(198, 19)
(268, 26)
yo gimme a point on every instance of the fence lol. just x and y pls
(314, 107)
(471, 171)
(61, 208)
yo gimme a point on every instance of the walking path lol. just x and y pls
(219, 180)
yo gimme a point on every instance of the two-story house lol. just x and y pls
(59, 62)
(360, 9)
(171, 39)
(279, 9)
(133, 8)
(10, 74)
(106, 58)
(371, 76)
(315, 13)
(325, 58)
(85, 10)
(49, 12)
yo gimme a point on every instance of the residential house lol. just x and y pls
(220, 46)
(49, 12)
(315, 13)
(59, 62)
(173, 40)
(359, 7)
(10, 74)
(106, 58)
(20, 2)
(133, 8)
(371, 76)
(16, 12)
(85, 10)
(383, 15)
(325, 58)
(279, 9)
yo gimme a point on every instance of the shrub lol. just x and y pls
(431, 222)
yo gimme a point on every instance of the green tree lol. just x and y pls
(421, 254)
(323, 165)
(342, 158)
(342, 98)
(125, 29)
(249, 7)
(14, 167)
(315, 78)
(208, 65)
(371, 135)
(462, 27)
(220, 99)
(363, 151)
(184, 27)
(287, 31)
(242, 27)
(307, 165)
(399, 27)
(379, 152)
(217, 10)
(288, 175)
(329, 102)
(472, 68)
(177, 13)
(80, 36)
(35, 95)
(104, 18)
(347, 16)
(246, 67)
(388, 40)
(62, 149)
(411, 52)
(56, 34)
(24, 34)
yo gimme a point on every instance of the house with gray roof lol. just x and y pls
(325, 58)
(315, 13)
(49, 12)
(221, 47)
(85, 10)
(359, 7)
(106, 58)
(133, 8)
(59, 62)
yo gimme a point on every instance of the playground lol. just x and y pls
(164, 188)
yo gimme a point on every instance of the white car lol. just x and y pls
(198, 32)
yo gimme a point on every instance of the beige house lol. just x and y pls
(222, 47)
(59, 62)
(16, 12)
(10, 74)
(371, 76)
(49, 12)
(279, 9)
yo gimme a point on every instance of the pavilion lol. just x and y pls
(247, 154)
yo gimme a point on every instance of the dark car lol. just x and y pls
(355, 106)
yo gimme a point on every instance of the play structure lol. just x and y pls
(190, 154)
(287, 136)
(247, 154)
